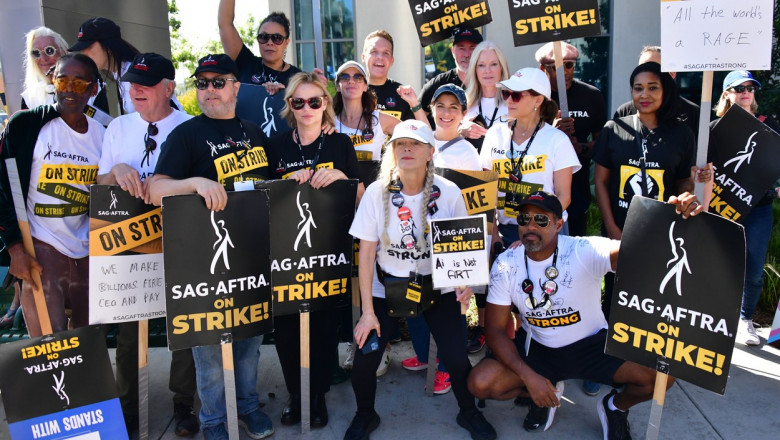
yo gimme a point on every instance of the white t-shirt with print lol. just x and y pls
(461, 155)
(395, 259)
(550, 151)
(365, 149)
(65, 163)
(488, 107)
(576, 307)
(124, 142)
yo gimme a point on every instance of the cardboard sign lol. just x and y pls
(479, 191)
(747, 163)
(311, 249)
(678, 292)
(538, 21)
(459, 252)
(217, 270)
(255, 104)
(60, 386)
(698, 35)
(126, 262)
(435, 20)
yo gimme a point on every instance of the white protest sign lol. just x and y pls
(460, 256)
(702, 35)
(126, 288)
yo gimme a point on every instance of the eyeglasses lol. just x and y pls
(299, 103)
(541, 220)
(49, 51)
(277, 39)
(61, 84)
(218, 83)
(357, 77)
(742, 89)
(568, 65)
(516, 96)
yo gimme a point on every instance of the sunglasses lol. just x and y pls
(149, 143)
(541, 220)
(357, 77)
(299, 103)
(277, 39)
(49, 51)
(568, 65)
(218, 83)
(62, 84)
(516, 96)
(742, 89)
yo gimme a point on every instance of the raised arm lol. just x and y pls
(231, 40)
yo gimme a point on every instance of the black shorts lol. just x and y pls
(584, 359)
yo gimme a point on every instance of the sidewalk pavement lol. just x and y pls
(748, 409)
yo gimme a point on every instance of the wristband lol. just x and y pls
(416, 107)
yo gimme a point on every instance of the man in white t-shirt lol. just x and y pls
(131, 146)
(555, 282)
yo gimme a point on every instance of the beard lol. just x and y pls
(532, 246)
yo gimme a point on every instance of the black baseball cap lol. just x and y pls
(543, 200)
(466, 34)
(148, 69)
(95, 29)
(217, 63)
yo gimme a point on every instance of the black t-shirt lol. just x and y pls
(200, 148)
(670, 154)
(251, 69)
(688, 113)
(589, 110)
(337, 153)
(448, 77)
(389, 101)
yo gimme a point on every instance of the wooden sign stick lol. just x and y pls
(657, 406)
(24, 228)
(704, 130)
(229, 376)
(143, 379)
(305, 371)
(563, 101)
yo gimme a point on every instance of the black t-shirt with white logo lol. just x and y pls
(337, 152)
(251, 69)
(389, 101)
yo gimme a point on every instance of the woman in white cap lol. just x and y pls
(528, 153)
(739, 88)
(44, 47)
(395, 248)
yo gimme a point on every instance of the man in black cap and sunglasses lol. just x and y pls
(555, 282)
(131, 147)
(209, 155)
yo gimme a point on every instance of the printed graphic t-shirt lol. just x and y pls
(369, 152)
(337, 153)
(390, 102)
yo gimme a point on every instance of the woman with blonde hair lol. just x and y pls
(44, 47)
(488, 67)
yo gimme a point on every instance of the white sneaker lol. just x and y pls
(350, 356)
(382, 369)
(747, 333)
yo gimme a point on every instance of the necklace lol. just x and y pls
(316, 153)
(549, 287)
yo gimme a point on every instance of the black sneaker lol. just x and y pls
(186, 422)
(538, 418)
(474, 422)
(614, 423)
(362, 425)
(477, 340)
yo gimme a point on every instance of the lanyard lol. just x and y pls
(527, 146)
(492, 119)
(641, 144)
(316, 153)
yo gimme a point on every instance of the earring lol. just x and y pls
(534, 108)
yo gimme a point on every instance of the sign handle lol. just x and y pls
(143, 379)
(704, 129)
(657, 406)
(563, 101)
(229, 376)
(463, 307)
(433, 364)
(305, 370)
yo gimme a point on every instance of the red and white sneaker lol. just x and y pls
(412, 364)
(442, 385)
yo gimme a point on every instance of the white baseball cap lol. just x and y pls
(528, 78)
(414, 129)
(349, 64)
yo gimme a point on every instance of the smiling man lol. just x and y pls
(378, 58)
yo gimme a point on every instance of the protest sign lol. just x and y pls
(538, 21)
(747, 163)
(254, 104)
(706, 35)
(774, 333)
(217, 269)
(311, 249)
(479, 191)
(678, 293)
(60, 386)
(435, 20)
(459, 252)
(126, 262)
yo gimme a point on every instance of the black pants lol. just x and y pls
(448, 331)
(323, 345)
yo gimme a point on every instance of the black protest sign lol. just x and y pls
(459, 252)
(217, 270)
(479, 191)
(60, 386)
(311, 249)
(747, 163)
(253, 103)
(539, 21)
(678, 291)
(435, 20)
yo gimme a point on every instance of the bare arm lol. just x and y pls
(562, 184)
(601, 177)
(368, 320)
(388, 123)
(212, 192)
(126, 177)
(231, 40)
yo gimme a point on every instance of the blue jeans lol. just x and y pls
(211, 385)
(421, 339)
(758, 229)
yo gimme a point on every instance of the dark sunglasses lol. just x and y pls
(277, 39)
(218, 83)
(49, 51)
(741, 89)
(541, 220)
(357, 77)
(516, 96)
(568, 65)
(299, 103)
(150, 143)
(61, 84)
